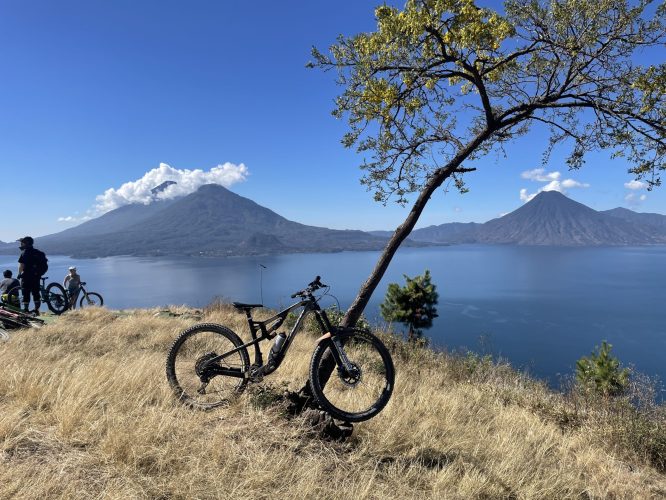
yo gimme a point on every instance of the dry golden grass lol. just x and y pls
(85, 412)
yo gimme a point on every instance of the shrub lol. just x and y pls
(413, 304)
(601, 372)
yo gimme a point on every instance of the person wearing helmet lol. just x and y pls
(32, 266)
(72, 283)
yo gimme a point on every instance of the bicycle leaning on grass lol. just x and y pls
(351, 371)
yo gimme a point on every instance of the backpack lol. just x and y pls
(41, 263)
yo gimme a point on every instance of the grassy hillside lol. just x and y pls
(85, 412)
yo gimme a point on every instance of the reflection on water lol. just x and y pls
(542, 308)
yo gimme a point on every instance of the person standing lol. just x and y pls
(32, 266)
(72, 283)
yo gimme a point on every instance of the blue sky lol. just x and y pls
(94, 95)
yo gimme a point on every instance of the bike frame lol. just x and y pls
(266, 330)
(80, 291)
(42, 290)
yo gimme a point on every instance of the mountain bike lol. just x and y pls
(88, 298)
(58, 299)
(11, 318)
(209, 363)
(54, 295)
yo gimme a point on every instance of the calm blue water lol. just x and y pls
(541, 308)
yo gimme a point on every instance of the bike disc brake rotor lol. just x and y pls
(351, 377)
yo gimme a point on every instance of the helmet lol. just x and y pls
(27, 240)
(72, 268)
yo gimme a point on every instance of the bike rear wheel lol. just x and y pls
(197, 382)
(362, 393)
(56, 298)
(91, 299)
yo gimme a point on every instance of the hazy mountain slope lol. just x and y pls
(116, 220)
(454, 232)
(658, 221)
(215, 221)
(553, 219)
(211, 221)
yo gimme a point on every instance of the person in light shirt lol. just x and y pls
(72, 283)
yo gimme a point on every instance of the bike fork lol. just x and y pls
(341, 359)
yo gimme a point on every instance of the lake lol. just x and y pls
(542, 308)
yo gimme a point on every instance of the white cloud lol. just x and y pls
(139, 191)
(187, 181)
(635, 185)
(525, 197)
(553, 180)
(457, 209)
(71, 218)
(634, 199)
(570, 183)
(540, 175)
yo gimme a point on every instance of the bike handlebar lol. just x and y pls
(316, 284)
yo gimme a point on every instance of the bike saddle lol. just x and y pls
(245, 307)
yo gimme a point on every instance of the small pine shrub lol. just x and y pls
(601, 372)
(412, 305)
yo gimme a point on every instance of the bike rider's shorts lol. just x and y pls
(73, 292)
(30, 285)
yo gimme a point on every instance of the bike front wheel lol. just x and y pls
(56, 298)
(91, 299)
(360, 391)
(196, 380)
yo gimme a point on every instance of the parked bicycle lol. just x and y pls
(53, 295)
(209, 363)
(11, 318)
(58, 300)
(89, 299)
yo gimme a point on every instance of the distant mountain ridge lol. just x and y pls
(212, 221)
(657, 221)
(551, 218)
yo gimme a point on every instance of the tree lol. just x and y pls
(601, 372)
(413, 304)
(442, 83)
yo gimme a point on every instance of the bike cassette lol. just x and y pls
(202, 367)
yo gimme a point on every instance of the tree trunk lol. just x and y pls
(439, 176)
(411, 336)
(364, 294)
